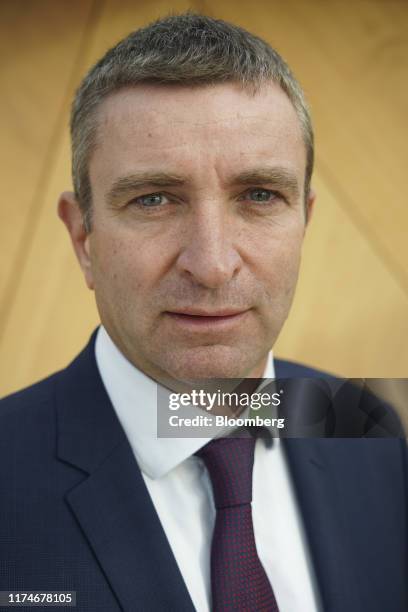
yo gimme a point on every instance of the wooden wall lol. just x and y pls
(351, 309)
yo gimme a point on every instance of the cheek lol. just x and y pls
(279, 261)
(122, 265)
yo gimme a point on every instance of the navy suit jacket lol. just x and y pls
(75, 514)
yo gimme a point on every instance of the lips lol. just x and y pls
(225, 312)
(207, 320)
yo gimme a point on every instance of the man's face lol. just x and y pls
(198, 223)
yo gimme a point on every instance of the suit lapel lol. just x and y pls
(315, 497)
(112, 504)
(319, 509)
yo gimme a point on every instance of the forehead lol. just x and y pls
(220, 127)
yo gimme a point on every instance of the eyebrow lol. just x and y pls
(126, 184)
(278, 176)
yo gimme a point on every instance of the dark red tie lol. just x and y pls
(238, 580)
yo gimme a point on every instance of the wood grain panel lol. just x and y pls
(39, 45)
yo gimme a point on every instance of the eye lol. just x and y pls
(151, 200)
(262, 195)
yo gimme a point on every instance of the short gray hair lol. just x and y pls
(188, 49)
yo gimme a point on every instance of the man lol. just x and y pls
(192, 159)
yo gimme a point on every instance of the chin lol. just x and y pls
(209, 362)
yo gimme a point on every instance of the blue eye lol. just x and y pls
(263, 195)
(150, 201)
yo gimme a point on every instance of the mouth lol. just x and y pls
(206, 320)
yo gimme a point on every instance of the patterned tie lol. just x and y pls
(238, 580)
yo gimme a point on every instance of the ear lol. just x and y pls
(71, 215)
(310, 205)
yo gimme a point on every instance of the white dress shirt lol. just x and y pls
(179, 486)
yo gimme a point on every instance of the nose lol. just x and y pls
(208, 253)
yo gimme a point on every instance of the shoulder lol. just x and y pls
(349, 406)
(293, 369)
(34, 394)
(28, 409)
(40, 396)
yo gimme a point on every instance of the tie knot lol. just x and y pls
(229, 462)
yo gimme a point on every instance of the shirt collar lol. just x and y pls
(134, 398)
